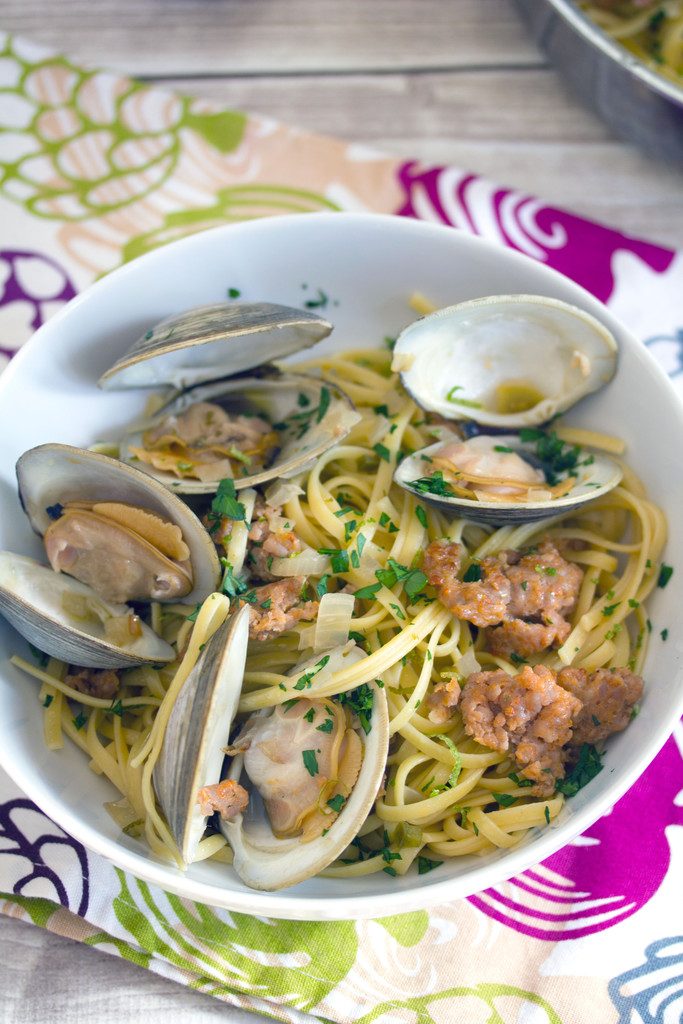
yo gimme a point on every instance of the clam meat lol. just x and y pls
(223, 424)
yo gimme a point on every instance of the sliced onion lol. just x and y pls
(308, 562)
(334, 621)
(282, 491)
(379, 428)
(468, 663)
(237, 542)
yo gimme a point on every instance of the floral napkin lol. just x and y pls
(96, 169)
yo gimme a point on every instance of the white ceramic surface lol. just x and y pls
(367, 265)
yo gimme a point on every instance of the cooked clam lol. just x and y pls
(209, 342)
(505, 361)
(68, 620)
(197, 731)
(114, 528)
(308, 769)
(498, 479)
(252, 429)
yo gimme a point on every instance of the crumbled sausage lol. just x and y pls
(525, 597)
(93, 682)
(483, 602)
(527, 713)
(226, 797)
(543, 582)
(516, 636)
(443, 700)
(270, 538)
(283, 608)
(608, 695)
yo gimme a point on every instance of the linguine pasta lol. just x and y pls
(652, 31)
(444, 795)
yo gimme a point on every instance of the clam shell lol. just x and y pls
(267, 863)
(209, 342)
(594, 480)
(278, 397)
(467, 351)
(56, 473)
(197, 730)
(31, 600)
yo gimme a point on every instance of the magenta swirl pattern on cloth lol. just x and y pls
(96, 169)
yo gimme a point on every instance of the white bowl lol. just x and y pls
(367, 265)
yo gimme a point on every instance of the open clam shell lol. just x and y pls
(593, 480)
(37, 602)
(505, 360)
(308, 416)
(209, 342)
(198, 729)
(267, 862)
(51, 475)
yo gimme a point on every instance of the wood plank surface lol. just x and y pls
(156, 37)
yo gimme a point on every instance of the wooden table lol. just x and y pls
(449, 81)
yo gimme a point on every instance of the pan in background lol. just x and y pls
(636, 102)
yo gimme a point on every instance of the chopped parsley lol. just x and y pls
(505, 799)
(366, 593)
(326, 726)
(425, 865)
(360, 702)
(321, 586)
(518, 781)
(382, 451)
(40, 656)
(473, 573)
(116, 709)
(319, 302)
(48, 700)
(234, 293)
(381, 410)
(610, 608)
(665, 574)
(524, 584)
(358, 637)
(310, 761)
(434, 484)
(412, 580)
(664, 634)
(192, 617)
(80, 720)
(310, 715)
(339, 560)
(503, 448)
(231, 585)
(399, 613)
(468, 402)
(225, 506)
(545, 570)
(588, 765)
(336, 802)
(306, 679)
(350, 528)
(517, 659)
(546, 812)
(632, 603)
(556, 457)
(324, 403)
(421, 516)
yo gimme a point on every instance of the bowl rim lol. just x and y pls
(287, 904)
(633, 65)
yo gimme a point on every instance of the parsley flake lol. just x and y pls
(310, 761)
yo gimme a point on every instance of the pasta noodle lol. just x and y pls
(653, 32)
(444, 794)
